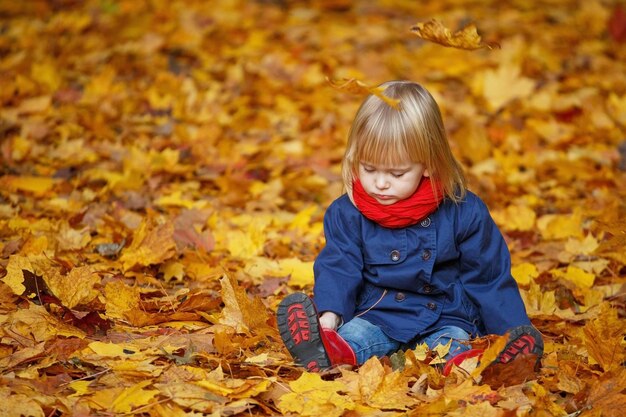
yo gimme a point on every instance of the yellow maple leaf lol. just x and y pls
(300, 272)
(302, 219)
(153, 243)
(75, 288)
(584, 246)
(35, 322)
(120, 299)
(312, 396)
(604, 338)
(69, 238)
(176, 199)
(616, 106)
(111, 349)
(80, 387)
(36, 185)
(241, 312)
(355, 86)
(561, 226)
(47, 74)
(581, 278)
(502, 85)
(466, 38)
(15, 275)
(449, 399)
(17, 404)
(380, 387)
(172, 270)
(133, 397)
(515, 217)
(524, 273)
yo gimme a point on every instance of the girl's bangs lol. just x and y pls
(383, 145)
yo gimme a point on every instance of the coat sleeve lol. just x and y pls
(486, 270)
(338, 268)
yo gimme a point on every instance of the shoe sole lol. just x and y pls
(523, 340)
(299, 328)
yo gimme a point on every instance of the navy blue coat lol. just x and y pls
(453, 268)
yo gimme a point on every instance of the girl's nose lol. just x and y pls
(381, 182)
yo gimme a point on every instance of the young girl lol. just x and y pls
(411, 255)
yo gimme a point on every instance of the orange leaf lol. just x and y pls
(152, 244)
(466, 38)
(604, 336)
(355, 86)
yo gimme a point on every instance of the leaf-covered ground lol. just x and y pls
(166, 165)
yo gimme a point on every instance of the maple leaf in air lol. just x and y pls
(466, 38)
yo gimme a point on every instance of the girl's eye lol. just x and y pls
(368, 169)
(397, 175)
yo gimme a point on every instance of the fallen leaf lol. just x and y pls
(152, 243)
(604, 338)
(240, 312)
(312, 396)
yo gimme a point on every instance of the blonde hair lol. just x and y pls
(413, 133)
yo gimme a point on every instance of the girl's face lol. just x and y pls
(389, 185)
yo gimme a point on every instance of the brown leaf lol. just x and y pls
(515, 372)
(466, 38)
(607, 394)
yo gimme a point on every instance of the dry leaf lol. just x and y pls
(466, 38)
(357, 87)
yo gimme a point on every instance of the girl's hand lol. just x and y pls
(329, 320)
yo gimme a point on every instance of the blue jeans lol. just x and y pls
(367, 340)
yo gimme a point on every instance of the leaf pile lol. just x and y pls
(166, 165)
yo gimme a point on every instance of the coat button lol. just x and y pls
(426, 222)
(400, 296)
(431, 306)
(395, 255)
(427, 288)
(426, 255)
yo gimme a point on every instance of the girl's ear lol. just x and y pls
(426, 173)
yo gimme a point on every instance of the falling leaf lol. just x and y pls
(466, 38)
(357, 87)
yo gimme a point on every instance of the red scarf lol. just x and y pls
(403, 213)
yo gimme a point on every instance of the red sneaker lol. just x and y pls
(458, 359)
(523, 340)
(300, 330)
